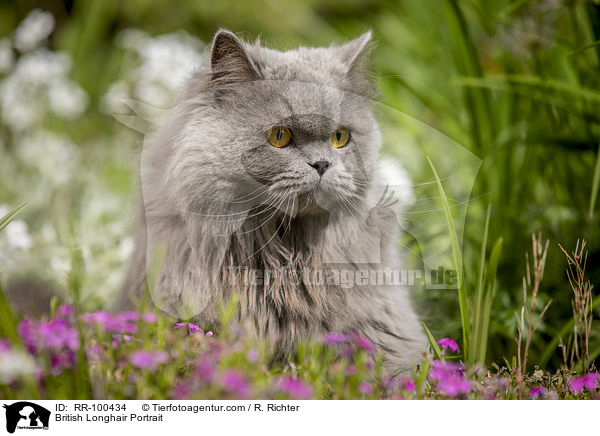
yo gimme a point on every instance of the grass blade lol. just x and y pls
(432, 342)
(595, 185)
(5, 220)
(476, 334)
(490, 283)
(457, 257)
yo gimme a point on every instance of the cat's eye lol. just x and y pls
(279, 136)
(340, 137)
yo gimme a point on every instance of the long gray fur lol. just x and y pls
(217, 195)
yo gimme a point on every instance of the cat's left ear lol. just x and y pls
(356, 56)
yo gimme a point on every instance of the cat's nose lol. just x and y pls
(321, 166)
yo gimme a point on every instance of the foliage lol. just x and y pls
(514, 82)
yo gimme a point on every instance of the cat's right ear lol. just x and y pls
(229, 61)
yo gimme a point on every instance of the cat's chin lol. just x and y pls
(315, 203)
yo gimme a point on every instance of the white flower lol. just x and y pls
(7, 57)
(166, 62)
(33, 30)
(40, 80)
(112, 101)
(126, 248)
(14, 364)
(17, 236)
(19, 110)
(67, 99)
(43, 66)
(54, 156)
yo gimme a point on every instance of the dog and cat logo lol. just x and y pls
(26, 415)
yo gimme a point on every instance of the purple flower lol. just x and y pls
(148, 359)
(364, 343)
(235, 383)
(191, 328)
(252, 355)
(538, 392)
(365, 388)
(332, 339)
(123, 322)
(452, 387)
(205, 369)
(149, 317)
(587, 381)
(57, 337)
(94, 354)
(5, 345)
(450, 378)
(46, 335)
(295, 388)
(409, 385)
(448, 344)
(182, 391)
(65, 311)
(101, 318)
(441, 370)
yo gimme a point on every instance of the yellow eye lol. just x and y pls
(340, 137)
(279, 136)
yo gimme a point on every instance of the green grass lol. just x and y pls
(514, 82)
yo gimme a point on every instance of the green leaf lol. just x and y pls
(595, 185)
(6, 219)
(477, 321)
(490, 283)
(457, 257)
(434, 346)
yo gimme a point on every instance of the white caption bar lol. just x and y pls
(174, 418)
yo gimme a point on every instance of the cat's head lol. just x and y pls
(293, 129)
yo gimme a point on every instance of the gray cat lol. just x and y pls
(260, 183)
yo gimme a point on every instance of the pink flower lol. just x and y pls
(295, 388)
(587, 381)
(191, 328)
(252, 355)
(409, 386)
(148, 359)
(5, 345)
(205, 369)
(65, 311)
(538, 392)
(235, 383)
(365, 388)
(450, 378)
(149, 317)
(57, 337)
(441, 370)
(448, 344)
(335, 339)
(364, 343)
(54, 334)
(452, 387)
(94, 354)
(123, 322)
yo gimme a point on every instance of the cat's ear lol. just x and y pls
(356, 56)
(229, 61)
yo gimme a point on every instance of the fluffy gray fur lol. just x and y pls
(217, 195)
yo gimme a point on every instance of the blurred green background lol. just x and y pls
(514, 82)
